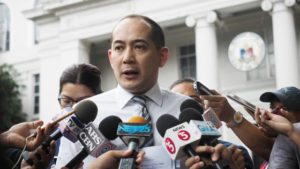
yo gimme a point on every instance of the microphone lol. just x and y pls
(135, 135)
(83, 113)
(179, 139)
(94, 142)
(208, 115)
(209, 134)
(188, 114)
(191, 103)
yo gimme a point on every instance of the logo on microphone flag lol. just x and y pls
(177, 137)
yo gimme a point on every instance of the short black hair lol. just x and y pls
(184, 80)
(84, 74)
(157, 34)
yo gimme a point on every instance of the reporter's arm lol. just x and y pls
(15, 137)
(282, 125)
(246, 131)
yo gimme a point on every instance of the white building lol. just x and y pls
(42, 37)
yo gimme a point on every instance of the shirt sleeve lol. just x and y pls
(283, 154)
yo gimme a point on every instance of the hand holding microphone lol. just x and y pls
(95, 141)
(135, 134)
(84, 112)
(110, 159)
(212, 154)
(38, 159)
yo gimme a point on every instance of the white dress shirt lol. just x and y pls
(117, 102)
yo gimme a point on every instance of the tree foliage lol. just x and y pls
(10, 101)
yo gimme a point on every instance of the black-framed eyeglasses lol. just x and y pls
(66, 101)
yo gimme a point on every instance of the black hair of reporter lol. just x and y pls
(85, 74)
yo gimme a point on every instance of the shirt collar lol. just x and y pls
(154, 94)
(122, 96)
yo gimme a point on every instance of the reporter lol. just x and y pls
(244, 129)
(111, 159)
(185, 87)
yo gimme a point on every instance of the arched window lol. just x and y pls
(4, 27)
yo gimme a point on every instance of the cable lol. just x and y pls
(20, 157)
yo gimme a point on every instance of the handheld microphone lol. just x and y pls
(209, 134)
(85, 112)
(191, 103)
(134, 134)
(94, 142)
(179, 139)
(208, 115)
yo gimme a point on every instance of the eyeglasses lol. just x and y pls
(66, 101)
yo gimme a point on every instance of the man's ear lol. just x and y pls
(164, 56)
(109, 55)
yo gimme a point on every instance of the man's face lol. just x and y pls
(134, 57)
(275, 104)
(187, 89)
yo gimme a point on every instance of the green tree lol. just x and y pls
(10, 102)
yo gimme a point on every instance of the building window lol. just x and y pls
(4, 27)
(188, 61)
(36, 93)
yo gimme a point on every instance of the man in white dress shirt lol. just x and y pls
(137, 52)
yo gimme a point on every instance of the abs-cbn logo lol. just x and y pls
(184, 135)
(170, 145)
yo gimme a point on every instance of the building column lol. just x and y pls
(206, 47)
(55, 60)
(285, 42)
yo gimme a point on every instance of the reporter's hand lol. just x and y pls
(267, 130)
(17, 134)
(277, 122)
(39, 159)
(237, 160)
(111, 159)
(220, 105)
(218, 152)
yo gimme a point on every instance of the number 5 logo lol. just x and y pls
(184, 135)
(170, 145)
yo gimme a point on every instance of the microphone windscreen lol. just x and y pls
(137, 119)
(108, 127)
(86, 111)
(165, 122)
(188, 114)
(191, 103)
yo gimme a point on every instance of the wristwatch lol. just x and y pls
(237, 119)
